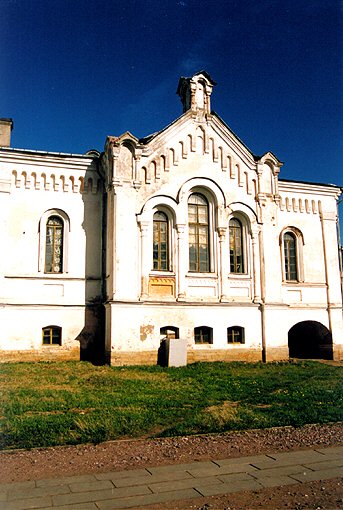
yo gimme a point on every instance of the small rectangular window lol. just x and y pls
(170, 332)
(203, 335)
(52, 335)
(235, 335)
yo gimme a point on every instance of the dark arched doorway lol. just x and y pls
(310, 340)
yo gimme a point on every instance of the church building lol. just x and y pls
(184, 234)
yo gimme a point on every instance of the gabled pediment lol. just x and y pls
(197, 146)
(184, 132)
(126, 137)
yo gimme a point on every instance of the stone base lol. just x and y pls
(118, 359)
(338, 352)
(236, 354)
(277, 354)
(193, 356)
(46, 354)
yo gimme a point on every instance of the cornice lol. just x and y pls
(46, 159)
(310, 188)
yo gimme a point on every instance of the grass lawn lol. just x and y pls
(56, 403)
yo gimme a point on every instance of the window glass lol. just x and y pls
(54, 245)
(289, 243)
(236, 246)
(160, 246)
(198, 232)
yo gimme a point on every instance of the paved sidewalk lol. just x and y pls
(127, 489)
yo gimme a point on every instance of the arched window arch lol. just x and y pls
(54, 229)
(161, 247)
(291, 243)
(198, 233)
(54, 245)
(237, 262)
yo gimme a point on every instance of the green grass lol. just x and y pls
(46, 404)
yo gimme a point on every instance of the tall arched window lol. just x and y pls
(54, 245)
(236, 246)
(161, 241)
(290, 256)
(198, 227)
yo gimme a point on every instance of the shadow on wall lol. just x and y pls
(310, 340)
(92, 336)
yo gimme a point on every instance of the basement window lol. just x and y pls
(203, 335)
(52, 335)
(170, 332)
(235, 335)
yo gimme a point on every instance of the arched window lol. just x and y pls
(290, 256)
(52, 335)
(236, 246)
(54, 245)
(161, 242)
(235, 335)
(198, 227)
(203, 335)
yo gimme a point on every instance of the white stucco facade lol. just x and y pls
(261, 258)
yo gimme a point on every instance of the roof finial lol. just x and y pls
(195, 92)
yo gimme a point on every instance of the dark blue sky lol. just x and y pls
(74, 71)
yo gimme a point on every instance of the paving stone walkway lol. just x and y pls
(134, 488)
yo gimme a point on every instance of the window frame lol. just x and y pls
(210, 231)
(54, 231)
(51, 330)
(200, 330)
(297, 235)
(171, 261)
(168, 239)
(289, 253)
(165, 329)
(238, 331)
(243, 246)
(42, 229)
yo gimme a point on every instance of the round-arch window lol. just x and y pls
(54, 245)
(290, 254)
(198, 228)
(161, 241)
(236, 246)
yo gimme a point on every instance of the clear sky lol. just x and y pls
(74, 71)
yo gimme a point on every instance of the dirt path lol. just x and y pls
(130, 454)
